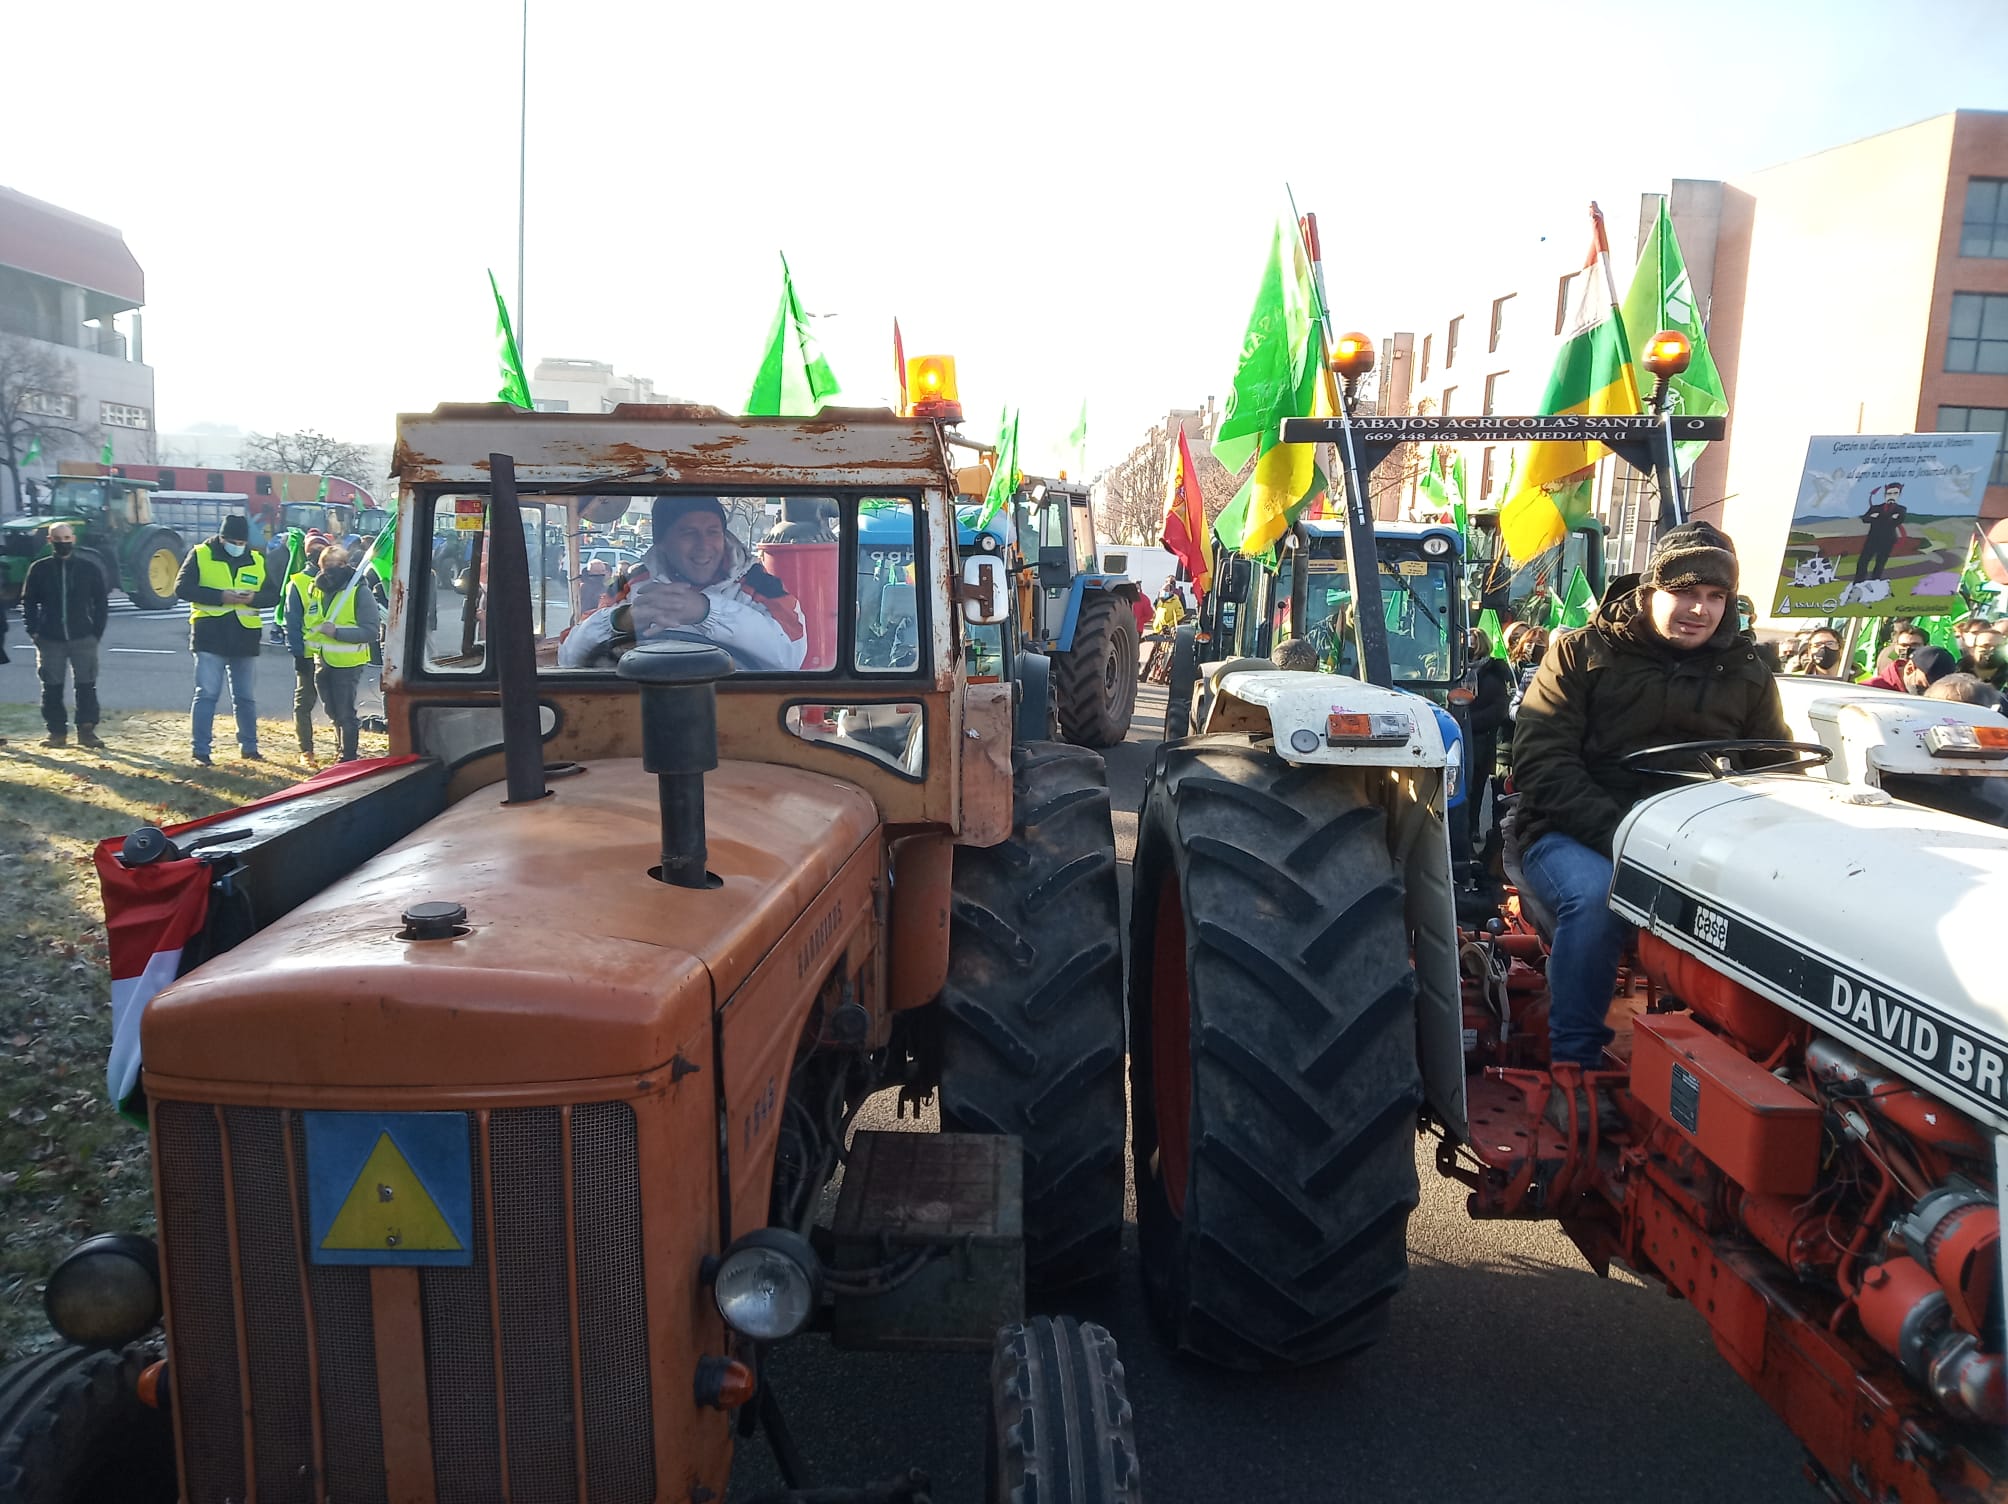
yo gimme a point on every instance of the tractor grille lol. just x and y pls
(246, 1313)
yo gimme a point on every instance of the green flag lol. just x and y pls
(34, 454)
(1077, 442)
(794, 379)
(1488, 623)
(296, 551)
(105, 454)
(384, 546)
(1276, 376)
(1005, 478)
(322, 494)
(1662, 298)
(1575, 608)
(515, 388)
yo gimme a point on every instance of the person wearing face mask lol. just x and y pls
(1983, 656)
(1906, 640)
(63, 603)
(226, 584)
(1821, 656)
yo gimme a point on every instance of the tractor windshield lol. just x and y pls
(1418, 605)
(761, 577)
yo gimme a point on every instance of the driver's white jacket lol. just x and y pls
(751, 612)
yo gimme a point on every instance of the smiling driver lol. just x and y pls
(1663, 661)
(697, 580)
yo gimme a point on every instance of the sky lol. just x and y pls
(1072, 199)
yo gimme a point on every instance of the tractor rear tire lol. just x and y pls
(156, 561)
(73, 1430)
(1031, 1020)
(1094, 681)
(1274, 1082)
(1060, 1430)
(1184, 681)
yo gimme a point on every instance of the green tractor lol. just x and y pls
(113, 518)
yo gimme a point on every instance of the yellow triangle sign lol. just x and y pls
(389, 1208)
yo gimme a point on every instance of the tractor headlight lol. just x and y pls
(767, 1284)
(106, 1291)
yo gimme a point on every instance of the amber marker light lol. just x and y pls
(1668, 353)
(930, 388)
(1352, 356)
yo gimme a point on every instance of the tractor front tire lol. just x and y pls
(1031, 1020)
(73, 1430)
(1061, 1430)
(156, 562)
(1094, 681)
(1183, 684)
(1274, 1082)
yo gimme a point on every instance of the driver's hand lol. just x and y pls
(660, 604)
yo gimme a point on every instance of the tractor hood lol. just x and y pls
(1877, 732)
(574, 963)
(1875, 919)
(29, 526)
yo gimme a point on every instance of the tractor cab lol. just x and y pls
(114, 521)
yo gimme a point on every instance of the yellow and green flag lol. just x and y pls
(794, 380)
(1279, 376)
(1661, 297)
(1593, 376)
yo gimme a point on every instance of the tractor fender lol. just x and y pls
(1034, 673)
(1119, 584)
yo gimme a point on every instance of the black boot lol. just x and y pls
(88, 736)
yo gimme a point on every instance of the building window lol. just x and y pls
(1498, 324)
(1449, 396)
(1450, 342)
(552, 405)
(49, 404)
(167, 480)
(1487, 476)
(1428, 343)
(1985, 230)
(120, 415)
(1980, 420)
(1978, 340)
(215, 481)
(1492, 392)
(264, 485)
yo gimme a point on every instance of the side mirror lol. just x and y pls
(985, 590)
(1235, 578)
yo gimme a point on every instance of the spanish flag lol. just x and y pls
(1185, 531)
(1593, 375)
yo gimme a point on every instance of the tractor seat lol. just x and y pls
(1537, 912)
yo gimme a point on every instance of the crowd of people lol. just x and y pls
(329, 611)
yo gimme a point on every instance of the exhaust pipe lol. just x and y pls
(512, 640)
(679, 744)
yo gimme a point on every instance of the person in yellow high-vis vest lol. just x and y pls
(293, 619)
(226, 583)
(340, 619)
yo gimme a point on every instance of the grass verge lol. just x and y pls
(69, 1164)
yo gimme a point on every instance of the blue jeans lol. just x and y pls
(210, 669)
(1574, 883)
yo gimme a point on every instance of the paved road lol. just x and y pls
(144, 664)
(1512, 1373)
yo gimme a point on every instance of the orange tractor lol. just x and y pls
(490, 1143)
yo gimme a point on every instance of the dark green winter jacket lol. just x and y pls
(1617, 686)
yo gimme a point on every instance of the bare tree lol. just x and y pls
(309, 452)
(39, 405)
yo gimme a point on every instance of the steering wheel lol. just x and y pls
(609, 652)
(1713, 759)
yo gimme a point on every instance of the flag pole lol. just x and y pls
(522, 173)
(1362, 553)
